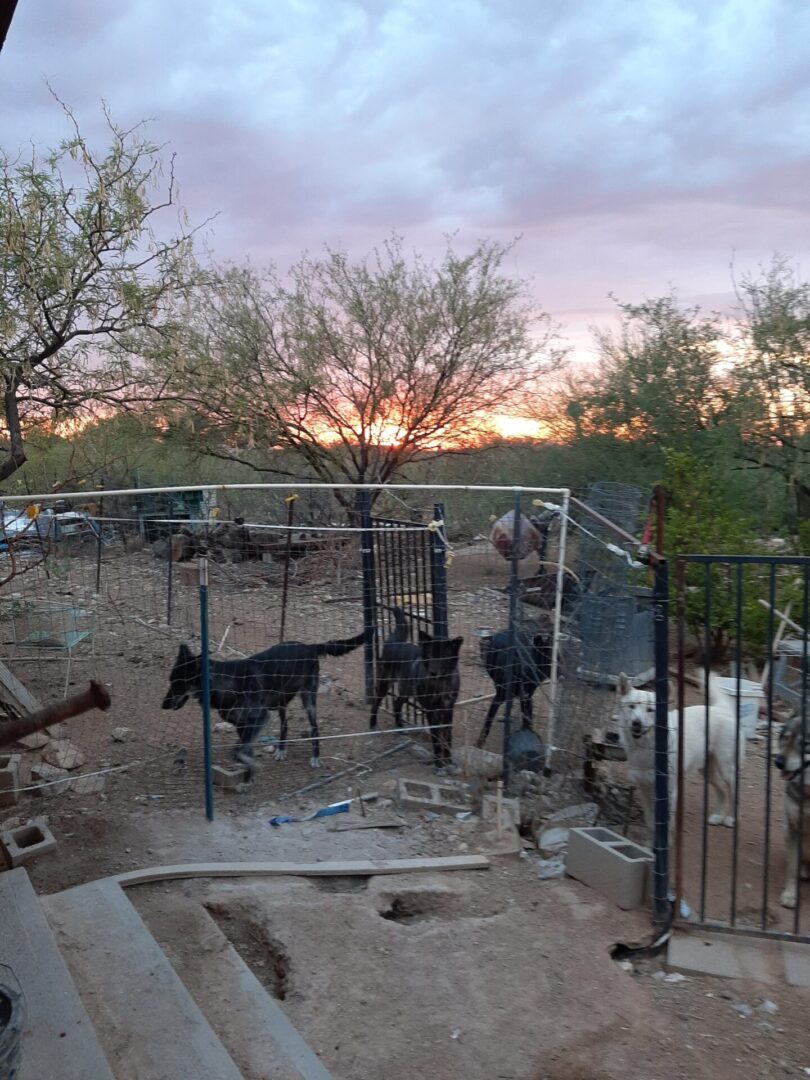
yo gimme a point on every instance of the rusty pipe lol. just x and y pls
(95, 697)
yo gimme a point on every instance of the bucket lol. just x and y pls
(750, 696)
(12, 1018)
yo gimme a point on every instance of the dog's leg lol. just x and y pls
(723, 786)
(788, 897)
(281, 749)
(526, 711)
(434, 719)
(309, 698)
(380, 691)
(399, 702)
(494, 705)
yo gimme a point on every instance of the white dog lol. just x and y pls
(637, 721)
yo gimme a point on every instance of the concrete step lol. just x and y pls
(145, 1018)
(250, 1022)
(59, 1038)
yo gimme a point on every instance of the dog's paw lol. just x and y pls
(788, 898)
(280, 755)
(315, 763)
(729, 822)
(716, 819)
(244, 787)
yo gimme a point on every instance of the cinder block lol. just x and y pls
(447, 798)
(27, 842)
(510, 810)
(9, 779)
(229, 779)
(608, 863)
(797, 963)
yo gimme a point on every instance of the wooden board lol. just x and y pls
(14, 695)
(337, 868)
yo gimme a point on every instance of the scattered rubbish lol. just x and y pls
(550, 868)
(325, 811)
(455, 1033)
(625, 965)
(741, 1008)
(465, 815)
(431, 815)
(768, 1007)
(674, 977)
(388, 823)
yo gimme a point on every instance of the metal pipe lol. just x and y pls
(205, 673)
(290, 500)
(514, 585)
(95, 697)
(680, 570)
(551, 734)
(661, 905)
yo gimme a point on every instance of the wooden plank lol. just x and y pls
(15, 695)
(337, 868)
(59, 1038)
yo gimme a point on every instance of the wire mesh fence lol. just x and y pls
(108, 586)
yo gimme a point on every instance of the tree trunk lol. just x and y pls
(15, 458)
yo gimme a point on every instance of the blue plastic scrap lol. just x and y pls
(325, 811)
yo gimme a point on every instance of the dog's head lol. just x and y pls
(183, 680)
(636, 709)
(794, 750)
(440, 655)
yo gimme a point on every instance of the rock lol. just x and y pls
(550, 868)
(56, 731)
(552, 840)
(88, 785)
(120, 734)
(63, 754)
(224, 726)
(55, 780)
(475, 762)
(582, 815)
(35, 741)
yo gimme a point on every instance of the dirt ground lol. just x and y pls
(494, 975)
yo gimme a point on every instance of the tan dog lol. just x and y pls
(793, 761)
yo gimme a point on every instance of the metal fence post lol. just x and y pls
(438, 575)
(363, 504)
(514, 586)
(99, 542)
(205, 674)
(169, 584)
(661, 904)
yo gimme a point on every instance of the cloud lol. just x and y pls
(632, 146)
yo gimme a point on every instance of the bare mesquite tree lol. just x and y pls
(81, 269)
(360, 367)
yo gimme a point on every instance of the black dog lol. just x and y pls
(531, 666)
(244, 691)
(426, 674)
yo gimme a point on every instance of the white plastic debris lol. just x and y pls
(550, 868)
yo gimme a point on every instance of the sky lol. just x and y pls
(633, 147)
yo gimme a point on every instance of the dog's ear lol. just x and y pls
(623, 685)
(540, 641)
(455, 644)
(183, 653)
(424, 637)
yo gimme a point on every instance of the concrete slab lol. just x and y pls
(727, 956)
(145, 1018)
(797, 963)
(59, 1040)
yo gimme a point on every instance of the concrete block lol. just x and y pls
(797, 963)
(27, 842)
(229, 779)
(120, 734)
(51, 778)
(447, 798)
(88, 785)
(475, 762)
(609, 864)
(510, 810)
(725, 956)
(9, 779)
(607, 745)
(63, 754)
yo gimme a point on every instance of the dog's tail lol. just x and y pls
(340, 648)
(401, 631)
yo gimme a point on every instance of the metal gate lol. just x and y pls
(738, 861)
(404, 565)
